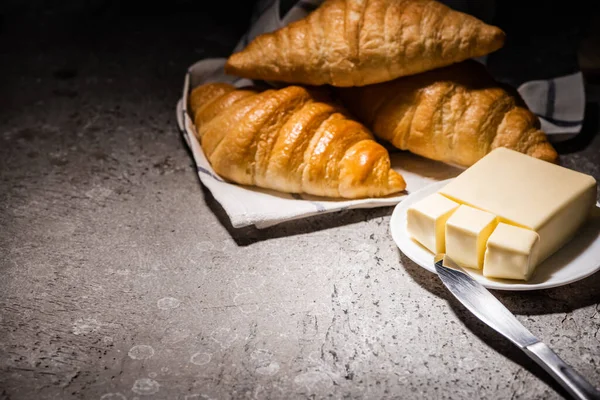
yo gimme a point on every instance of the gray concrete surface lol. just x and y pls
(121, 278)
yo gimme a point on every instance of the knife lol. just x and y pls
(477, 299)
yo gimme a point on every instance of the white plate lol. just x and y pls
(578, 259)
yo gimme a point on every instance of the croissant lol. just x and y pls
(360, 42)
(293, 140)
(455, 114)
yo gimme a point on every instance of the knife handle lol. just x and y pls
(574, 383)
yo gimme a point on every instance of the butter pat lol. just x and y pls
(511, 253)
(523, 191)
(467, 232)
(426, 221)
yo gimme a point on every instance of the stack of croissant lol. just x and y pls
(357, 73)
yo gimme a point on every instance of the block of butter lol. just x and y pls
(426, 221)
(512, 253)
(467, 232)
(551, 200)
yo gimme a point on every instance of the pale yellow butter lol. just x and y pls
(426, 221)
(523, 191)
(512, 253)
(467, 232)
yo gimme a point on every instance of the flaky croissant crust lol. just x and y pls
(359, 42)
(293, 140)
(456, 114)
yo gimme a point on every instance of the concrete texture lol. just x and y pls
(121, 278)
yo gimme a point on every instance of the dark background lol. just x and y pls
(94, 178)
(64, 38)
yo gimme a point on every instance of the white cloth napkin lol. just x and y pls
(559, 103)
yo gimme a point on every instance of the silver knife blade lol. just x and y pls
(477, 299)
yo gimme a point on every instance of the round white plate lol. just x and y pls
(578, 259)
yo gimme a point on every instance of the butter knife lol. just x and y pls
(477, 299)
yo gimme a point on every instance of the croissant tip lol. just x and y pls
(396, 182)
(496, 37)
(500, 37)
(551, 156)
(546, 152)
(229, 66)
(235, 62)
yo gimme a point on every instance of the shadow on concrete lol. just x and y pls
(549, 301)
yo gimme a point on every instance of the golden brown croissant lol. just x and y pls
(360, 42)
(456, 115)
(292, 140)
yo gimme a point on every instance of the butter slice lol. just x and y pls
(426, 221)
(512, 253)
(467, 232)
(524, 191)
